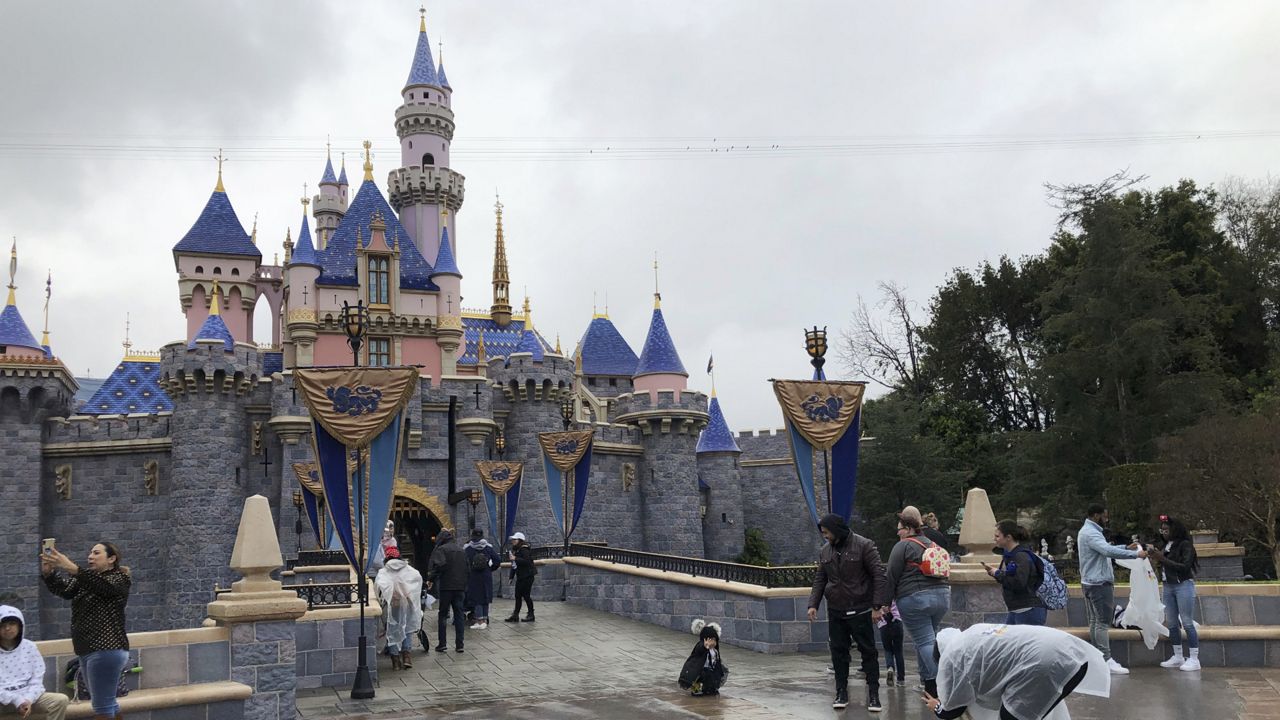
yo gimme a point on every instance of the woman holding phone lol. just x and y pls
(98, 595)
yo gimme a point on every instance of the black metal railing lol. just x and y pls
(319, 595)
(767, 576)
(311, 558)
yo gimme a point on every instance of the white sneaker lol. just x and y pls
(1116, 668)
(1191, 665)
(1173, 662)
(476, 626)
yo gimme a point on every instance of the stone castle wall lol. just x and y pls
(772, 500)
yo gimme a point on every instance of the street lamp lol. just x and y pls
(815, 342)
(566, 414)
(500, 443)
(297, 524)
(355, 320)
(566, 410)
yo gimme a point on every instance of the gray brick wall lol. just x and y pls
(722, 528)
(772, 500)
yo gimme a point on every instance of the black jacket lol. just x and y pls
(97, 608)
(1180, 563)
(1020, 576)
(447, 570)
(697, 661)
(524, 567)
(850, 576)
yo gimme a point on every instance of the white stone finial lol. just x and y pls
(257, 551)
(978, 528)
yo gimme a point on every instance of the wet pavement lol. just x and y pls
(580, 663)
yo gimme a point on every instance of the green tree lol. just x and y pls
(755, 549)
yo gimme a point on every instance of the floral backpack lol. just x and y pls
(935, 562)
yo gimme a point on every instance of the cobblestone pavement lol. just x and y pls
(580, 663)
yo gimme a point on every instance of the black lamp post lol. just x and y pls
(500, 443)
(815, 343)
(297, 523)
(566, 414)
(355, 321)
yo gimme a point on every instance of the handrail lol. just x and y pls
(775, 576)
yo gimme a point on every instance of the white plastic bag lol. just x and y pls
(428, 601)
(1144, 611)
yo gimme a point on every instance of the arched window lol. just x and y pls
(217, 271)
(428, 159)
(199, 269)
(379, 280)
(235, 271)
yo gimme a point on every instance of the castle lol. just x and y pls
(162, 455)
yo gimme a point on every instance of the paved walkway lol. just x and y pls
(579, 663)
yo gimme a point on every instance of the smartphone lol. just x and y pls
(46, 546)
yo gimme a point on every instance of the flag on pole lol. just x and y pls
(711, 363)
(824, 416)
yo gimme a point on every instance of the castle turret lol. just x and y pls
(218, 248)
(424, 185)
(659, 367)
(500, 310)
(718, 452)
(448, 278)
(301, 319)
(330, 202)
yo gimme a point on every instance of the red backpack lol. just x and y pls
(935, 561)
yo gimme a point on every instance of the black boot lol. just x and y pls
(842, 699)
(528, 618)
(873, 698)
(513, 618)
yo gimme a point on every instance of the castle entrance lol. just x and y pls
(419, 517)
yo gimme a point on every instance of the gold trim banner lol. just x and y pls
(565, 449)
(499, 476)
(304, 471)
(356, 403)
(820, 410)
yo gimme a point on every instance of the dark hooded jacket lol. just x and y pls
(850, 575)
(693, 667)
(447, 569)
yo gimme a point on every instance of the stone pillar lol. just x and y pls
(262, 618)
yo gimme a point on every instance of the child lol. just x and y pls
(704, 672)
(890, 625)
(22, 672)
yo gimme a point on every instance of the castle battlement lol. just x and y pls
(766, 432)
(209, 368)
(108, 428)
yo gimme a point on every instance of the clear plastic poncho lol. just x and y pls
(400, 593)
(1023, 667)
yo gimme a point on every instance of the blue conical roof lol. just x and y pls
(338, 259)
(605, 352)
(529, 343)
(423, 70)
(328, 178)
(445, 264)
(659, 354)
(304, 253)
(342, 176)
(440, 76)
(716, 436)
(14, 332)
(218, 231)
(214, 329)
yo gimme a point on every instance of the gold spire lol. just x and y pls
(480, 353)
(368, 161)
(657, 296)
(214, 306)
(13, 272)
(218, 187)
(422, 23)
(595, 310)
(288, 243)
(528, 314)
(48, 291)
(253, 236)
(500, 311)
(558, 350)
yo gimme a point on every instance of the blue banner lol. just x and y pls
(331, 459)
(581, 474)
(513, 504)
(555, 487)
(844, 469)
(380, 481)
(312, 504)
(802, 456)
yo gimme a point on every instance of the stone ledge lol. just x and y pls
(107, 447)
(346, 612)
(1206, 632)
(1231, 589)
(170, 697)
(736, 588)
(158, 638)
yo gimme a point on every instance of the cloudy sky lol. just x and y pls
(889, 141)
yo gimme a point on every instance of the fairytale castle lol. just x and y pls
(160, 457)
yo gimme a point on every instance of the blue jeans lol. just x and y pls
(922, 615)
(1179, 612)
(102, 670)
(1034, 616)
(481, 611)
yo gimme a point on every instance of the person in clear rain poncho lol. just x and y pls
(399, 592)
(1014, 672)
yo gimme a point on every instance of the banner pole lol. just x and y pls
(362, 689)
(826, 469)
(564, 507)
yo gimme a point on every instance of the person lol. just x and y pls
(482, 560)
(98, 595)
(22, 672)
(522, 569)
(890, 625)
(1178, 567)
(851, 579)
(387, 541)
(1019, 575)
(923, 600)
(400, 591)
(447, 578)
(930, 529)
(704, 672)
(1021, 672)
(1097, 579)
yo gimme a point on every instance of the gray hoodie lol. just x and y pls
(22, 668)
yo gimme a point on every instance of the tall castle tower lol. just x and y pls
(424, 185)
(330, 204)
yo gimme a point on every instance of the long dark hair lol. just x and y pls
(1013, 530)
(1178, 533)
(113, 553)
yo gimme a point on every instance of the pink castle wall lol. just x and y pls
(421, 351)
(653, 383)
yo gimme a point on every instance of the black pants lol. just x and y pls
(1066, 690)
(451, 599)
(891, 639)
(524, 590)
(711, 678)
(844, 631)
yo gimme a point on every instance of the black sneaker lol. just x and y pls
(458, 649)
(442, 648)
(888, 678)
(842, 700)
(873, 699)
(513, 618)
(528, 618)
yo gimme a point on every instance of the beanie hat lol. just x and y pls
(392, 552)
(477, 534)
(836, 526)
(912, 515)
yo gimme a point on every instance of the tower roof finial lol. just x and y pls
(328, 149)
(253, 235)
(215, 307)
(13, 272)
(657, 296)
(48, 292)
(218, 187)
(368, 160)
(127, 345)
(528, 314)
(305, 200)
(422, 22)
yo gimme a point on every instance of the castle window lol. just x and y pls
(379, 281)
(379, 352)
(235, 271)
(217, 271)
(591, 382)
(199, 268)
(613, 382)
(428, 159)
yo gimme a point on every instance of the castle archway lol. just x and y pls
(419, 517)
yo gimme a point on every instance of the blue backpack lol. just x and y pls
(1052, 590)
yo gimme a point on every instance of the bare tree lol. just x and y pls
(889, 351)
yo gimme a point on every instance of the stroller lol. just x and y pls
(78, 686)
